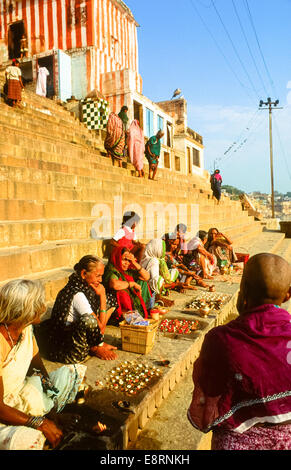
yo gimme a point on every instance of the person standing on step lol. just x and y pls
(242, 377)
(41, 84)
(152, 153)
(136, 147)
(216, 182)
(14, 83)
(115, 141)
(80, 315)
(23, 47)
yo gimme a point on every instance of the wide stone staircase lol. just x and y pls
(54, 175)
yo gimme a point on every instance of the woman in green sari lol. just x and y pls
(127, 278)
(162, 279)
(152, 153)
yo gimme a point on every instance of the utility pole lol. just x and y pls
(269, 103)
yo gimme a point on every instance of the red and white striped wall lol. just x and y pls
(70, 24)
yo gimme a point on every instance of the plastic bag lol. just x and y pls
(134, 318)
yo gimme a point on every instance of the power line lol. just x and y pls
(234, 48)
(222, 53)
(259, 46)
(249, 140)
(237, 141)
(248, 45)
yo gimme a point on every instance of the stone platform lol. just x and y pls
(181, 352)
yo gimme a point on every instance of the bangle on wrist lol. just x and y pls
(35, 422)
(103, 311)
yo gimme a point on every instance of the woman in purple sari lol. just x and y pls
(242, 376)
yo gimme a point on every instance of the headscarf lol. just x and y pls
(61, 308)
(123, 115)
(156, 250)
(128, 297)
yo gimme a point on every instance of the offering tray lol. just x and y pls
(176, 328)
(207, 303)
(132, 377)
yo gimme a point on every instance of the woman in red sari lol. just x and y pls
(242, 377)
(126, 277)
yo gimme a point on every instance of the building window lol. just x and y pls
(196, 157)
(138, 113)
(177, 163)
(169, 135)
(149, 123)
(167, 163)
(189, 160)
(161, 126)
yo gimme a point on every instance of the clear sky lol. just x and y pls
(225, 56)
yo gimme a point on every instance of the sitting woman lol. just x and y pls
(177, 237)
(162, 279)
(30, 399)
(126, 236)
(127, 279)
(80, 315)
(185, 274)
(220, 246)
(197, 254)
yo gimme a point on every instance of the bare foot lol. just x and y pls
(189, 287)
(202, 283)
(166, 302)
(105, 352)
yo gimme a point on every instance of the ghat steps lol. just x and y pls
(53, 172)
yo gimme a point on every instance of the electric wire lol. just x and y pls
(235, 49)
(249, 47)
(222, 53)
(239, 141)
(259, 46)
(249, 140)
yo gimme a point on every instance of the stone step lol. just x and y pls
(30, 232)
(61, 130)
(84, 177)
(20, 262)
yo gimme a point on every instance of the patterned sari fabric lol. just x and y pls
(127, 299)
(14, 90)
(256, 438)
(115, 137)
(222, 253)
(242, 380)
(71, 343)
(27, 394)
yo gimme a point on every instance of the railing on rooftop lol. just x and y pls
(195, 136)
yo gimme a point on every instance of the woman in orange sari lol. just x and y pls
(115, 140)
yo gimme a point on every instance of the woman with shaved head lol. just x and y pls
(243, 376)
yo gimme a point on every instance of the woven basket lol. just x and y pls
(138, 339)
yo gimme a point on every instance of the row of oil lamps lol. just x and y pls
(131, 377)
